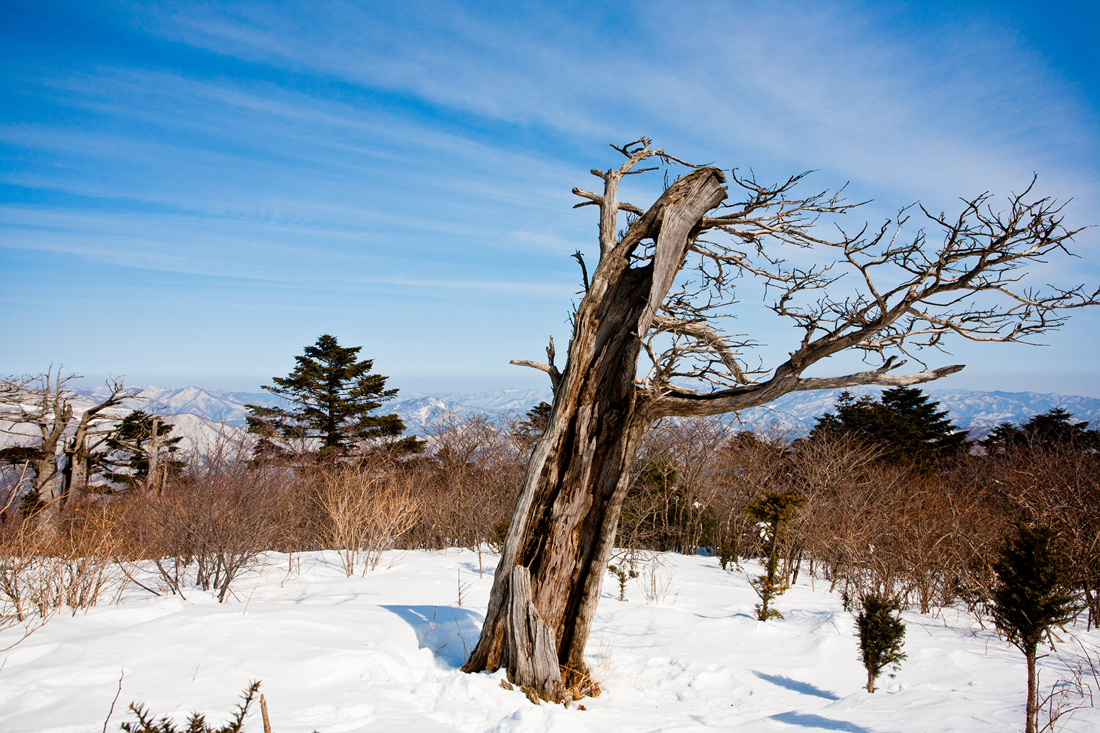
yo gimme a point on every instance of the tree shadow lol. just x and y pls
(449, 632)
(470, 567)
(809, 720)
(803, 687)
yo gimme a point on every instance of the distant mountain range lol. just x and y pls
(976, 411)
(203, 417)
(971, 410)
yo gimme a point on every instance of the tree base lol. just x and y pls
(528, 648)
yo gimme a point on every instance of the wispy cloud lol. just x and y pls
(844, 87)
(405, 151)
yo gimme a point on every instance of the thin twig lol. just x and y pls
(115, 701)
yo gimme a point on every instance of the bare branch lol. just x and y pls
(584, 270)
(550, 369)
(680, 402)
(708, 336)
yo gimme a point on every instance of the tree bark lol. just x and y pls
(1032, 693)
(528, 644)
(47, 480)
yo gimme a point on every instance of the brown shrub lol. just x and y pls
(212, 523)
(367, 507)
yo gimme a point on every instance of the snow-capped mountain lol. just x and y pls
(418, 410)
(976, 411)
(227, 407)
(971, 410)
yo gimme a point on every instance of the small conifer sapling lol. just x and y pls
(774, 512)
(881, 636)
(622, 574)
(1031, 596)
(196, 723)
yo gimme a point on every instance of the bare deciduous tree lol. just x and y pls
(45, 403)
(656, 292)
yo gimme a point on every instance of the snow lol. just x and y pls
(972, 410)
(381, 653)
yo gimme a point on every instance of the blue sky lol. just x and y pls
(192, 192)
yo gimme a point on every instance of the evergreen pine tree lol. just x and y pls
(129, 450)
(773, 512)
(1052, 429)
(881, 636)
(332, 395)
(904, 422)
(1030, 596)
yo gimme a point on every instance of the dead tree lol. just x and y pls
(45, 404)
(86, 438)
(656, 293)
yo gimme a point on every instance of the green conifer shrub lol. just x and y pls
(196, 722)
(881, 636)
(622, 574)
(773, 512)
(1031, 595)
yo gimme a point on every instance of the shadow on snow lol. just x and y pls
(808, 720)
(449, 632)
(794, 685)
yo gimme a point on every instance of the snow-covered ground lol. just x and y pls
(381, 653)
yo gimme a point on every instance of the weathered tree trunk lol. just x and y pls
(564, 523)
(52, 413)
(78, 477)
(152, 454)
(47, 483)
(527, 647)
(47, 480)
(77, 454)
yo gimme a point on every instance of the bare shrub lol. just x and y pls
(368, 506)
(212, 523)
(46, 570)
(746, 466)
(22, 564)
(676, 482)
(469, 481)
(1075, 690)
(656, 581)
(1056, 486)
(884, 529)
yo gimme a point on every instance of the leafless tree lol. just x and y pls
(212, 523)
(659, 286)
(44, 403)
(1056, 486)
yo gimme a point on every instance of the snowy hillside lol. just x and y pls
(198, 432)
(971, 410)
(417, 411)
(228, 407)
(381, 653)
